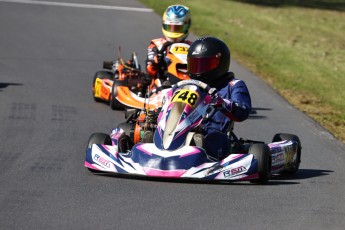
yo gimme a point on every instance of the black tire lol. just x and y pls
(290, 137)
(114, 103)
(102, 74)
(98, 138)
(262, 153)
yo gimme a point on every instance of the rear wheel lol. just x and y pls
(114, 103)
(262, 154)
(294, 166)
(102, 74)
(98, 138)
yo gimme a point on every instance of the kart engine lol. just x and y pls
(144, 126)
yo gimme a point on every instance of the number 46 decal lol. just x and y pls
(186, 96)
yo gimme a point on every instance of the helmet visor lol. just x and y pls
(198, 65)
(176, 28)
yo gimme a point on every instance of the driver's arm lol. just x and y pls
(238, 106)
(151, 63)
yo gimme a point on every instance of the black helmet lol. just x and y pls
(208, 59)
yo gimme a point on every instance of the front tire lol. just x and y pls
(290, 137)
(262, 154)
(114, 103)
(98, 138)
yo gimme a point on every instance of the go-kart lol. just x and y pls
(127, 74)
(127, 86)
(174, 153)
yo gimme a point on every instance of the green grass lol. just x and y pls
(298, 47)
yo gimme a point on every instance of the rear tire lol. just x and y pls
(114, 103)
(290, 137)
(262, 154)
(102, 74)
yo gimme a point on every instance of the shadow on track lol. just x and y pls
(4, 85)
(253, 113)
(283, 179)
(303, 174)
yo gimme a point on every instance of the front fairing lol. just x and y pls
(186, 162)
(183, 110)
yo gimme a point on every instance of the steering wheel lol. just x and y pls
(206, 88)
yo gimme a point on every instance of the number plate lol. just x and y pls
(186, 96)
(179, 50)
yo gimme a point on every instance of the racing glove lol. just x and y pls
(156, 65)
(224, 105)
(235, 111)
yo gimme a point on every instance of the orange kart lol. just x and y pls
(129, 74)
(176, 70)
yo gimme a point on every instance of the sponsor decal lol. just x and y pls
(234, 171)
(105, 92)
(102, 161)
(194, 116)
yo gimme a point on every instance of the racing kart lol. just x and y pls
(128, 73)
(127, 86)
(172, 152)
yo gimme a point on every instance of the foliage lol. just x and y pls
(298, 47)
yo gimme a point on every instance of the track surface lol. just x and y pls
(48, 55)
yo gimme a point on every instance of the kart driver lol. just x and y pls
(208, 61)
(176, 23)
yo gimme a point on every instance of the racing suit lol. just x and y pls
(235, 105)
(156, 62)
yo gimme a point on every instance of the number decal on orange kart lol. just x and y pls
(100, 90)
(179, 50)
(98, 87)
(186, 96)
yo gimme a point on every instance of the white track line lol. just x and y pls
(79, 5)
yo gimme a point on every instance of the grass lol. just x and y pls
(298, 47)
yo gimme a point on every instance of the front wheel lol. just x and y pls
(294, 166)
(98, 138)
(114, 103)
(262, 154)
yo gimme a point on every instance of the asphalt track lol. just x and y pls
(48, 54)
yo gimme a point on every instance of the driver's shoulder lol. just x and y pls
(235, 81)
(159, 42)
